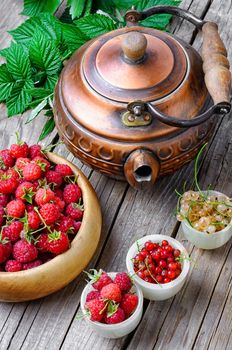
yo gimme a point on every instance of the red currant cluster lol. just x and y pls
(157, 263)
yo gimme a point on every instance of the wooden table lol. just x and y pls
(200, 316)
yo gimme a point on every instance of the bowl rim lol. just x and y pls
(115, 326)
(158, 238)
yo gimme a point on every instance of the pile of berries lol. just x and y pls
(205, 213)
(111, 300)
(157, 263)
(41, 207)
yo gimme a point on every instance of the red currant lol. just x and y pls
(162, 264)
(167, 280)
(149, 246)
(164, 243)
(176, 253)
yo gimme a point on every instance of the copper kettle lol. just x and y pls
(137, 103)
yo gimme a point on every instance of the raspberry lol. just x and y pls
(42, 162)
(32, 264)
(111, 292)
(117, 317)
(29, 207)
(42, 243)
(58, 242)
(59, 203)
(54, 178)
(44, 196)
(58, 192)
(66, 225)
(32, 172)
(15, 208)
(4, 199)
(95, 308)
(123, 281)
(64, 169)
(2, 213)
(13, 266)
(6, 159)
(21, 163)
(25, 191)
(129, 303)
(94, 294)
(49, 213)
(75, 211)
(76, 225)
(35, 151)
(8, 183)
(5, 249)
(33, 220)
(72, 193)
(23, 251)
(12, 232)
(19, 150)
(99, 279)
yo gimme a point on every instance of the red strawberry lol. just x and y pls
(117, 317)
(12, 232)
(123, 281)
(15, 208)
(2, 213)
(129, 303)
(111, 292)
(43, 196)
(32, 264)
(5, 249)
(24, 251)
(49, 213)
(25, 191)
(21, 163)
(20, 149)
(42, 243)
(66, 225)
(13, 266)
(4, 199)
(72, 193)
(95, 308)
(6, 159)
(99, 279)
(32, 172)
(54, 178)
(8, 182)
(35, 150)
(42, 162)
(94, 294)
(58, 242)
(75, 211)
(33, 220)
(64, 169)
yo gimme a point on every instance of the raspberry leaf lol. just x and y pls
(33, 7)
(19, 99)
(18, 63)
(95, 25)
(7, 82)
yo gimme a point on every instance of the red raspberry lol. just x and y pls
(4, 199)
(75, 211)
(95, 308)
(25, 191)
(72, 193)
(77, 225)
(43, 196)
(2, 213)
(13, 173)
(129, 303)
(99, 279)
(20, 149)
(13, 266)
(32, 172)
(21, 163)
(117, 317)
(94, 294)
(12, 232)
(58, 242)
(6, 159)
(42, 162)
(8, 183)
(66, 225)
(58, 192)
(29, 207)
(123, 281)
(5, 249)
(32, 264)
(35, 150)
(33, 220)
(23, 251)
(111, 292)
(15, 208)
(49, 213)
(64, 169)
(59, 203)
(42, 243)
(54, 178)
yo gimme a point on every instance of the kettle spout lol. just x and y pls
(141, 169)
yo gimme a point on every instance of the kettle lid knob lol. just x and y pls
(134, 46)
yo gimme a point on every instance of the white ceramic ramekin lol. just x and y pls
(158, 291)
(115, 330)
(205, 240)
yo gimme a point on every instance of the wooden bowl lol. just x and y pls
(61, 270)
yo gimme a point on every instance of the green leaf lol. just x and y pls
(51, 82)
(36, 110)
(24, 33)
(6, 82)
(44, 54)
(95, 25)
(47, 129)
(39, 92)
(76, 7)
(19, 98)
(18, 63)
(72, 36)
(33, 7)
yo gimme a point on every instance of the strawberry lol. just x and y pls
(4, 199)
(94, 294)
(123, 281)
(12, 232)
(6, 159)
(25, 191)
(24, 252)
(75, 211)
(64, 170)
(117, 317)
(13, 266)
(15, 208)
(99, 279)
(35, 151)
(20, 149)
(32, 264)
(49, 213)
(54, 178)
(58, 242)
(72, 193)
(33, 220)
(111, 292)
(66, 225)
(42, 162)
(32, 172)
(129, 303)
(42, 243)
(8, 182)
(2, 213)
(5, 249)
(95, 309)
(43, 196)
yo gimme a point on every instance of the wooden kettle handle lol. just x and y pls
(215, 64)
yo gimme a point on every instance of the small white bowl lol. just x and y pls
(120, 329)
(158, 291)
(207, 240)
